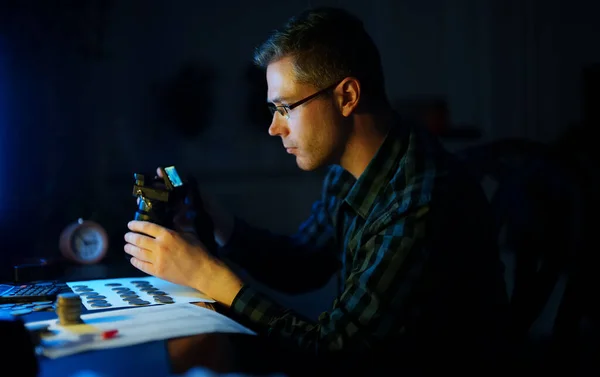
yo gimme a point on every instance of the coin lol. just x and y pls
(68, 309)
(88, 294)
(163, 299)
(139, 282)
(23, 306)
(113, 284)
(20, 312)
(81, 290)
(97, 300)
(139, 302)
(68, 297)
(70, 320)
(128, 294)
(40, 308)
(148, 289)
(120, 289)
(159, 293)
(80, 286)
(101, 305)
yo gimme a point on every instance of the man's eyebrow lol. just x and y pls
(278, 100)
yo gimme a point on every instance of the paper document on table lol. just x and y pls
(134, 325)
(129, 292)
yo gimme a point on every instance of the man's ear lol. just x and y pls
(348, 95)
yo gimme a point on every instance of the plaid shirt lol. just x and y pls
(374, 231)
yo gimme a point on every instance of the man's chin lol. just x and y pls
(307, 168)
(307, 165)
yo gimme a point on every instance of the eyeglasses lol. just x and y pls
(284, 110)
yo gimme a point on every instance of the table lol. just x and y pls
(159, 358)
(218, 352)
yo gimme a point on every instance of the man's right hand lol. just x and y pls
(195, 201)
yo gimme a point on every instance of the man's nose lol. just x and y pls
(278, 126)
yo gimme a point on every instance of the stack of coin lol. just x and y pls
(68, 309)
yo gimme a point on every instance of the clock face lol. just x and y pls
(88, 243)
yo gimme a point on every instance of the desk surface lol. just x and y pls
(159, 358)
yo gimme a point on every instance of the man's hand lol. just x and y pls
(166, 254)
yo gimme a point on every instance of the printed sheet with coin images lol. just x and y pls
(129, 292)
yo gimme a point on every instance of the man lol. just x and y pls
(408, 234)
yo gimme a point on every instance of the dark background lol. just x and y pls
(93, 91)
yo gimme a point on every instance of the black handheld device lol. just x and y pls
(18, 346)
(159, 200)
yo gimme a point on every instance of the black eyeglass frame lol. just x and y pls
(284, 110)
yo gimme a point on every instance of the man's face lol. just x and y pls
(314, 132)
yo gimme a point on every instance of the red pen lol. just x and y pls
(86, 338)
(104, 335)
(109, 334)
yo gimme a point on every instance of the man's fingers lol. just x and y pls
(139, 253)
(145, 227)
(140, 240)
(159, 172)
(142, 266)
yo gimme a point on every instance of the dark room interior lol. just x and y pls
(95, 93)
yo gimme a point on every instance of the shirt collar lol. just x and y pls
(381, 169)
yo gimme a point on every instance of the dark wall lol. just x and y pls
(4, 121)
(87, 97)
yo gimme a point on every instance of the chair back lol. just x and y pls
(538, 210)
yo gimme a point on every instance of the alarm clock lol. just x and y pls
(84, 242)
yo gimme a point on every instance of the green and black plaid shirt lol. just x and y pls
(377, 232)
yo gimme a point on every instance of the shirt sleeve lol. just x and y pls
(280, 261)
(385, 273)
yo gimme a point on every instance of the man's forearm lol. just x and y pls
(222, 285)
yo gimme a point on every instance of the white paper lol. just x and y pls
(135, 325)
(179, 293)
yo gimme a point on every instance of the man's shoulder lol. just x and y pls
(444, 193)
(423, 168)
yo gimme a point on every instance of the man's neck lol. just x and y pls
(369, 132)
